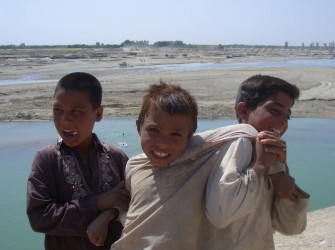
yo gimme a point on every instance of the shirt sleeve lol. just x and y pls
(46, 211)
(290, 217)
(232, 189)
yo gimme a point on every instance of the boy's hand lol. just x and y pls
(262, 159)
(117, 196)
(97, 230)
(273, 144)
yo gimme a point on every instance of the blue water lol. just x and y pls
(157, 69)
(311, 157)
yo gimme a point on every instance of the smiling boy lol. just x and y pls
(168, 181)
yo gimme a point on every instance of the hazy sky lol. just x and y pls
(254, 22)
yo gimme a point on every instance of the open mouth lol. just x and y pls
(160, 154)
(69, 133)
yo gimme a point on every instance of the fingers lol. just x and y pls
(118, 196)
(262, 160)
(96, 240)
(120, 185)
(100, 241)
(91, 238)
(270, 138)
(268, 134)
(272, 143)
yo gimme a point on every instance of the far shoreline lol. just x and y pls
(134, 118)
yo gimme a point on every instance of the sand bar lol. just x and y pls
(123, 87)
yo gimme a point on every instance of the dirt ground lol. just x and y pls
(215, 90)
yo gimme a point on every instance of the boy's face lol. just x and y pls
(164, 137)
(271, 114)
(74, 118)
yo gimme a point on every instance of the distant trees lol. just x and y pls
(173, 44)
(169, 44)
(128, 43)
(97, 45)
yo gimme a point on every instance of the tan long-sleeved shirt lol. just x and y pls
(209, 198)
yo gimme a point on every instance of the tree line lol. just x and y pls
(176, 44)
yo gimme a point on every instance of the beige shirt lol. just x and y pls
(207, 199)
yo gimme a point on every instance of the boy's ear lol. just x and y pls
(242, 109)
(138, 127)
(100, 112)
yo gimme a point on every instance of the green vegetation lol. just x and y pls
(174, 44)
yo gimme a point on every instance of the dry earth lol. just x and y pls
(215, 90)
(319, 234)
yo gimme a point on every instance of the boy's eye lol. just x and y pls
(56, 110)
(176, 134)
(275, 111)
(153, 130)
(77, 111)
(279, 112)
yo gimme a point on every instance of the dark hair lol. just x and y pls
(84, 82)
(172, 99)
(257, 88)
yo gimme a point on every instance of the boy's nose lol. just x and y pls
(65, 117)
(161, 141)
(283, 119)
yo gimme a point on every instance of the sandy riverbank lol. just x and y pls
(215, 90)
(319, 233)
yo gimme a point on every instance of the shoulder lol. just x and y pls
(47, 152)
(45, 160)
(107, 147)
(137, 162)
(118, 157)
(114, 150)
(139, 159)
(222, 134)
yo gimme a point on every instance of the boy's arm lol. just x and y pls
(289, 217)
(233, 187)
(290, 205)
(98, 228)
(46, 214)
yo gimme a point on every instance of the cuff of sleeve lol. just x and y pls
(253, 180)
(277, 167)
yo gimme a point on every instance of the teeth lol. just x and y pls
(70, 133)
(159, 154)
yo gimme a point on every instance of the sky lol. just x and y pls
(249, 22)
